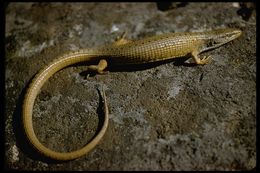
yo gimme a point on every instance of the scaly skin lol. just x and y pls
(156, 48)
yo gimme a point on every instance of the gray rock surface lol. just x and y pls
(169, 117)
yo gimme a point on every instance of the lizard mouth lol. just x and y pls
(220, 37)
(234, 34)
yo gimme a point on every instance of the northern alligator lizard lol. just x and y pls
(151, 49)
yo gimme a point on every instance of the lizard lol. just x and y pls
(151, 49)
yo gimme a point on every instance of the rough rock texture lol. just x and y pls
(169, 117)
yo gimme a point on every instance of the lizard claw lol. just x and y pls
(205, 60)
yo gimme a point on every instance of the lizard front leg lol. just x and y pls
(204, 60)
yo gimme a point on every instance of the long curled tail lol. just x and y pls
(34, 88)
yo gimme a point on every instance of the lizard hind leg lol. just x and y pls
(121, 40)
(102, 65)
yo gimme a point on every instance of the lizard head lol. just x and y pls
(221, 36)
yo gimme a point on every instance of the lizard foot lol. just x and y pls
(206, 59)
(102, 65)
(122, 40)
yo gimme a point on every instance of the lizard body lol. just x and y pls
(156, 48)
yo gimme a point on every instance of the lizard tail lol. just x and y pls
(34, 88)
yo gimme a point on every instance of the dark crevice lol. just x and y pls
(164, 6)
(246, 10)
